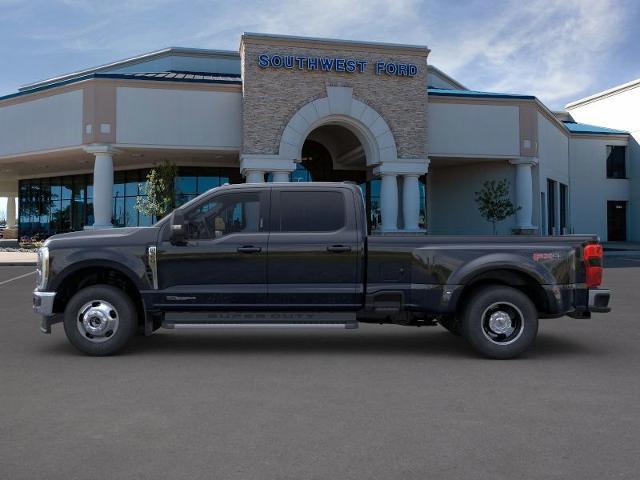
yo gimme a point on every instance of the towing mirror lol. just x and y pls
(178, 235)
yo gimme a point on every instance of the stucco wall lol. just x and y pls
(45, 123)
(464, 129)
(271, 96)
(590, 189)
(553, 157)
(165, 117)
(621, 111)
(453, 208)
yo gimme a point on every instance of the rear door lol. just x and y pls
(314, 249)
(616, 221)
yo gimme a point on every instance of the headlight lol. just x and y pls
(42, 270)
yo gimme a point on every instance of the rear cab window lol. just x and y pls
(311, 211)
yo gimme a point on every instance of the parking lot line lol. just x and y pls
(17, 278)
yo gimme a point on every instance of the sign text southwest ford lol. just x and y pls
(330, 64)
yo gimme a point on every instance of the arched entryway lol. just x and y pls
(340, 138)
(333, 153)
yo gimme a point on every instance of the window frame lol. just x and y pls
(263, 218)
(608, 163)
(277, 211)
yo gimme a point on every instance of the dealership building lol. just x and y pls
(75, 149)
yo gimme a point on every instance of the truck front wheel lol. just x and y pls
(499, 322)
(99, 320)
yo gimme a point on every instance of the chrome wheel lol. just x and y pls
(502, 323)
(97, 321)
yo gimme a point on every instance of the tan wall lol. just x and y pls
(271, 96)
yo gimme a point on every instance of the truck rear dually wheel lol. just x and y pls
(499, 322)
(99, 320)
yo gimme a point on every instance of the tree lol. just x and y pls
(494, 203)
(159, 191)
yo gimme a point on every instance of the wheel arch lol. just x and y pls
(506, 276)
(96, 272)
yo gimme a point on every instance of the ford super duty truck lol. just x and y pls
(298, 255)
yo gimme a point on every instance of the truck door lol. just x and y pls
(314, 249)
(223, 261)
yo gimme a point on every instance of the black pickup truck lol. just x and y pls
(298, 255)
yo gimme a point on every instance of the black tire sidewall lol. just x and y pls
(127, 317)
(471, 324)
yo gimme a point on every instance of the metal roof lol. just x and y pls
(145, 57)
(176, 75)
(444, 92)
(575, 127)
(186, 77)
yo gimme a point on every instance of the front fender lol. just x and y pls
(130, 265)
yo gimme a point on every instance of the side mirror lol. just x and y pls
(178, 235)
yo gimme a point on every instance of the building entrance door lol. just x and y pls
(616, 221)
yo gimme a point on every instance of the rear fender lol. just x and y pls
(462, 277)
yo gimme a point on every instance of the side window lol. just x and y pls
(224, 215)
(616, 161)
(311, 211)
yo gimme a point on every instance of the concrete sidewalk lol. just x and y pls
(18, 258)
(621, 249)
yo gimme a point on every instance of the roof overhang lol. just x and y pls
(605, 93)
(145, 57)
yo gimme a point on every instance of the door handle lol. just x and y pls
(338, 248)
(249, 249)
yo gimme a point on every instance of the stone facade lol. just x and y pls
(272, 96)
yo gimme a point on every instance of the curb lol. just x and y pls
(18, 264)
(622, 253)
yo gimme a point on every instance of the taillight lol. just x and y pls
(593, 265)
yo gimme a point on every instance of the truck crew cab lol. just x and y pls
(298, 255)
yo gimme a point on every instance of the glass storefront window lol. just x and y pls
(61, 204)
(207, 183)
(67, 188)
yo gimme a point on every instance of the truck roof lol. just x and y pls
(287, 185)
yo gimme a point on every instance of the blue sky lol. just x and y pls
(557, 50)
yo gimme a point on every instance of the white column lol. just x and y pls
(102, 185)
(253, 167)
(524, 192)
(410, 202)
(389, 202)
(280, 176)
(254, 176)
(11, 211)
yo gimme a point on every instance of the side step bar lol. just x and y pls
(347, 326)
(270, 320)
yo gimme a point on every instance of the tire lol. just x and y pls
(499, 322)
(452, 324)
(100, 320)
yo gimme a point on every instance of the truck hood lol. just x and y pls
(106, 237)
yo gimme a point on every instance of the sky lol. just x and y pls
(558, 50)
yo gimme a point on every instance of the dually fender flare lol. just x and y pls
(460, 279)
(113, 264)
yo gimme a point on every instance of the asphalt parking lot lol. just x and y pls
(381, 402)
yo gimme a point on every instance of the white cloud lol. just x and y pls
(551, 49)
(554, 49)
(548, 48)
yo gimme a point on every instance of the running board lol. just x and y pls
(272, 320)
